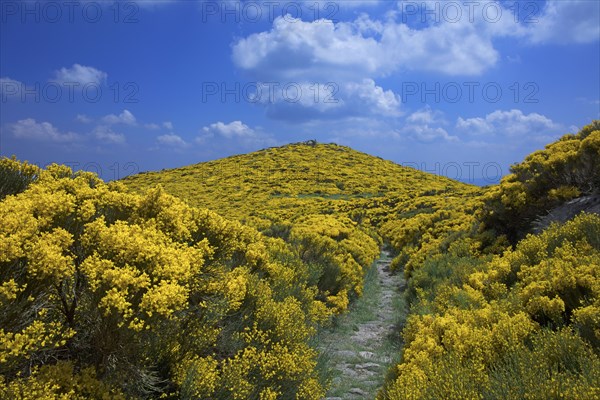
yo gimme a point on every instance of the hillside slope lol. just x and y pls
(296, 179)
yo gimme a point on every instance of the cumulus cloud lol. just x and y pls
(126, 117)
(425, 126)
(379, 101)
(425, 116)
(45, 132)
(323, 101)
(42, 131)
(350, 53)
(563, 22)
(155, 127)
(80, 74)
(10, 88)
(172, 140)
(152, 126)
(105, 134)
(448, 48)
(233, 134)
(84, 119)
(235, 129)
(428, 134)
(294, 47)
(508, 123)
(574, 21)
(311, 49)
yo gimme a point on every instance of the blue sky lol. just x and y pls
(461, 88)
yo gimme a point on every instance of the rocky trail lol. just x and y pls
(361, 345)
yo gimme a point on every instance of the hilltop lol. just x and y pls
(281, 182)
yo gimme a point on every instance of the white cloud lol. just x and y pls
(475, 126)
(421, 125)
(425, 116)
(447, 48)
(172, 139)
(295, 48)
(426, 133)
(155, 127)
(10, 88)
(307, 101)
(349, 55)
(80, 74)
(126, 117)
(563, 22)
(107, 135)
(84, 119)
(234, 134)
(235, 129)
(355, 54)
(367, 26)
(508, 123)
(42, 131)
(573, 21)
(380, 101)
(152, 126)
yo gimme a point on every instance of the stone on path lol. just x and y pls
(370, 366)
(358, 391)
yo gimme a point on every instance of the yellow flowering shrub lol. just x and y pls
(105, 293)
(547, 178)
(15, 176)
(59, 382)
(427, 225)
(338, 252)
(496, 313)
(471, 333)
(198, 377)
(329, 215)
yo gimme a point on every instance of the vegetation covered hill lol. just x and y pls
(210, 281)
(285, 182)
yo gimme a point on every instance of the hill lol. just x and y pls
(292, 180)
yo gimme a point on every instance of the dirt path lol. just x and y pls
(363, 344)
